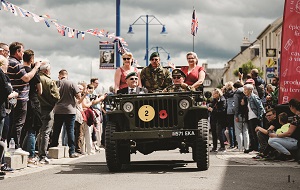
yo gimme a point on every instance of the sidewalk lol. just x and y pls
(229, 155)
(40, 167)
(242, 158)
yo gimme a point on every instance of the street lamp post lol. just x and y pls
(118, 29)
(147, 22)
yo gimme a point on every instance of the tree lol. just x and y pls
(247, 67)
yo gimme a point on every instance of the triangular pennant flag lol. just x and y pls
(14, 10)
(5, 6)
(21, 12)
(47, 23)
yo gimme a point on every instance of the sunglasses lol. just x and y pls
(190, 58)
(133, 79)
(4, 50)
(154, 59)
(125, 58)
(176, 77)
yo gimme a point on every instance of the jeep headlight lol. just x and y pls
(128, 107)
(184, 104)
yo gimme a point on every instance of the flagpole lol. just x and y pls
(194, 34)
(193, 43)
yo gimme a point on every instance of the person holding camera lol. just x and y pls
(92, 116)
(218, 119)
(20, 81)
(33, 121)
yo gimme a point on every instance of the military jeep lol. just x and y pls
(153, 122)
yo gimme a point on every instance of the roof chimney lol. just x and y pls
(204, 65)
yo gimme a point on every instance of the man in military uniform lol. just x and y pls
(178, 83)
(155, 77)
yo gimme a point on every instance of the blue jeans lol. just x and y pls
(64, 136)
(29, 143)
(283, 145)
(69, 121)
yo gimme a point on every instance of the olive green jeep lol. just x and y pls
(156, 121)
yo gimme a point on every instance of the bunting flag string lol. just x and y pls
(62, 29)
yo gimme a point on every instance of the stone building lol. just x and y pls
(264, 53)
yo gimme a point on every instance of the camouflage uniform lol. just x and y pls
(178, 88)
(155, 79)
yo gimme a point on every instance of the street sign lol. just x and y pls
(270, 75)
(270, 69)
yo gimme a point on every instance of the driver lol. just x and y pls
(178, 83)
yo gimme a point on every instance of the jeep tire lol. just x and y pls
(200, 148)
(116, 155)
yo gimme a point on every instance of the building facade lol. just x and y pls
(264, 53)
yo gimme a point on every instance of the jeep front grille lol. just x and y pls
(171, 107)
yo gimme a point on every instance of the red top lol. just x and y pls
(193, 76)
(123, 83)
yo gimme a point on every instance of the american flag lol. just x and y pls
(194, 25)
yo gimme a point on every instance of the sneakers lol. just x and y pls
(19, 151)
(2, 173)
(74, 155)
(222, 149)
(33, 161)
(5, 168)
(246, 151)
(257, 157)
(44, 160)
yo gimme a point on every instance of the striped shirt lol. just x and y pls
(15, 72)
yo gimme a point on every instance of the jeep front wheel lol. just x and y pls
(115, 154)
(200, 148)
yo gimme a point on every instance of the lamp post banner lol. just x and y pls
(107, 56)
(290, 53)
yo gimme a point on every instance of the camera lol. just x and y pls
(93, 97)
(240, 70)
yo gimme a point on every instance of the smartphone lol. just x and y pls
(240, 70)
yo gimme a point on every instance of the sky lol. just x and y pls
(222, 26)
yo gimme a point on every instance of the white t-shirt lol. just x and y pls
(251, 114)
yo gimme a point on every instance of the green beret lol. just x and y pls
(131, 74)
(177, 72)
(154, 54)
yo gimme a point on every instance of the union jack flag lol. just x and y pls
(121, 48)
(194, 25)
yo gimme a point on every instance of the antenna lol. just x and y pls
(249, 34)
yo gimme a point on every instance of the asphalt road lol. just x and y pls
(159, 170)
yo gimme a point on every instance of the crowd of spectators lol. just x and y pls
(254, 122)
(35, 108)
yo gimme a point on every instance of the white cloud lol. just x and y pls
(222, 26)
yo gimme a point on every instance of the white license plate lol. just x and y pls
(182, 133)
